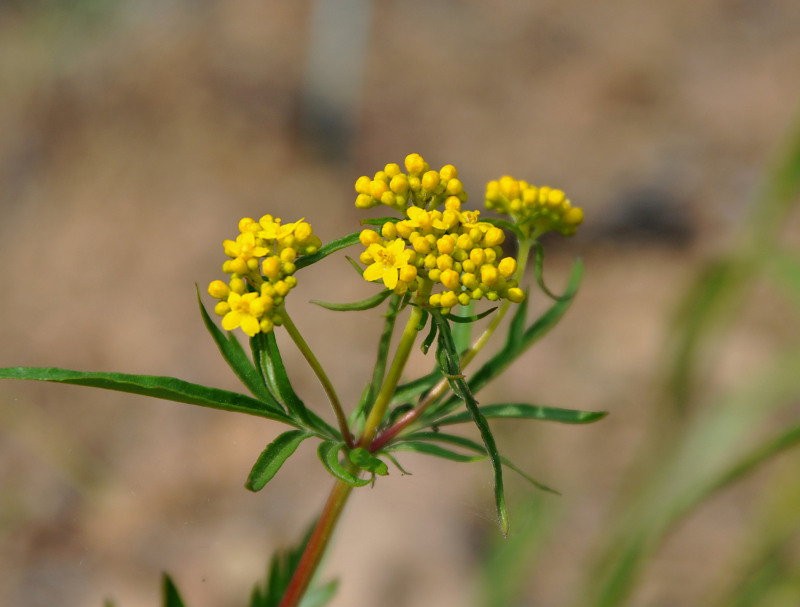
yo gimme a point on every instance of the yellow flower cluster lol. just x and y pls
(261, 266)
(536, 210)
(419, 187)
(448, 257)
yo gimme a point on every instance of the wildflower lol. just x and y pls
(262, 266)
(389, 261)
(535, 209)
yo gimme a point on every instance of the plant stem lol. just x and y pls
(315, 365)
(410, 332)
(441, 387)
(317, 543)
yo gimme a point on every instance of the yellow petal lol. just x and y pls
(374, 272)
(390, 278)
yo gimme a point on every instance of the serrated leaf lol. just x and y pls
(325, 250)
(364, 304)
(272, 458)
(169, 593)
(329, 456)
(368, 462)
(525, 411)
(167, 388)
(237, 358)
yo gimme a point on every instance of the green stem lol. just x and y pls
(410, 332)
(317, 543)
(440, 388)
(315, 365)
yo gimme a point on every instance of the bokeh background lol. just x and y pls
(133, 136)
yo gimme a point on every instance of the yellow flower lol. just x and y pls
(389, 260)
(245, 312)
(273, 230)
(244, 247)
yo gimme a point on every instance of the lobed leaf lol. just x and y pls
(272, 458)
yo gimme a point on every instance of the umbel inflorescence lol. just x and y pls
(437, 252)
(441, 251)
(262, 267)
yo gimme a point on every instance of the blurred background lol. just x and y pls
(134, 136)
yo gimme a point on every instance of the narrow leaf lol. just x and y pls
(524, 411)
(329, 455)
(471, 318)
(272, 458)
(169, 593)
(325, 250)
(460, 388)
(364, 304)
(435, 450)
(379, 221)
(462, 332)
(235, 356)
(167, 388)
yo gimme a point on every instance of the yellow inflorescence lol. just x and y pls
(261, 265)
(535, 209)
(418, 186)
(460, 255)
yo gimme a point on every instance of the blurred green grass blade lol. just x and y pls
(525, 411)
(273, 457)
(167, 388)
(784, 266)
(364, 304)
(237, 358)
(704, 459)
(318, 596)
(327, 249)
(329, 456)
(169, 593)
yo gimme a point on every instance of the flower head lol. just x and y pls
(390, 260)
(262, 266)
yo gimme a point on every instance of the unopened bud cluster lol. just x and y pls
(261, 265)
(419, 186)
(457, 254)
(535, 209)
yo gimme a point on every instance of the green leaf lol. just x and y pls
(235, 356)
(279, 574)
(462, 332)
(329, 455)
(447, 358)
(473, 446)
(428, 342)
(169, 593)
(427, 448)
(410, 390)
(525, 411)
(505, 225)
(538, 271)
(325, 250)
(364, 304)
(271, 362)
(167, 388)
(471, 318)
(368, 462)
(272, 458)
(517, 344)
